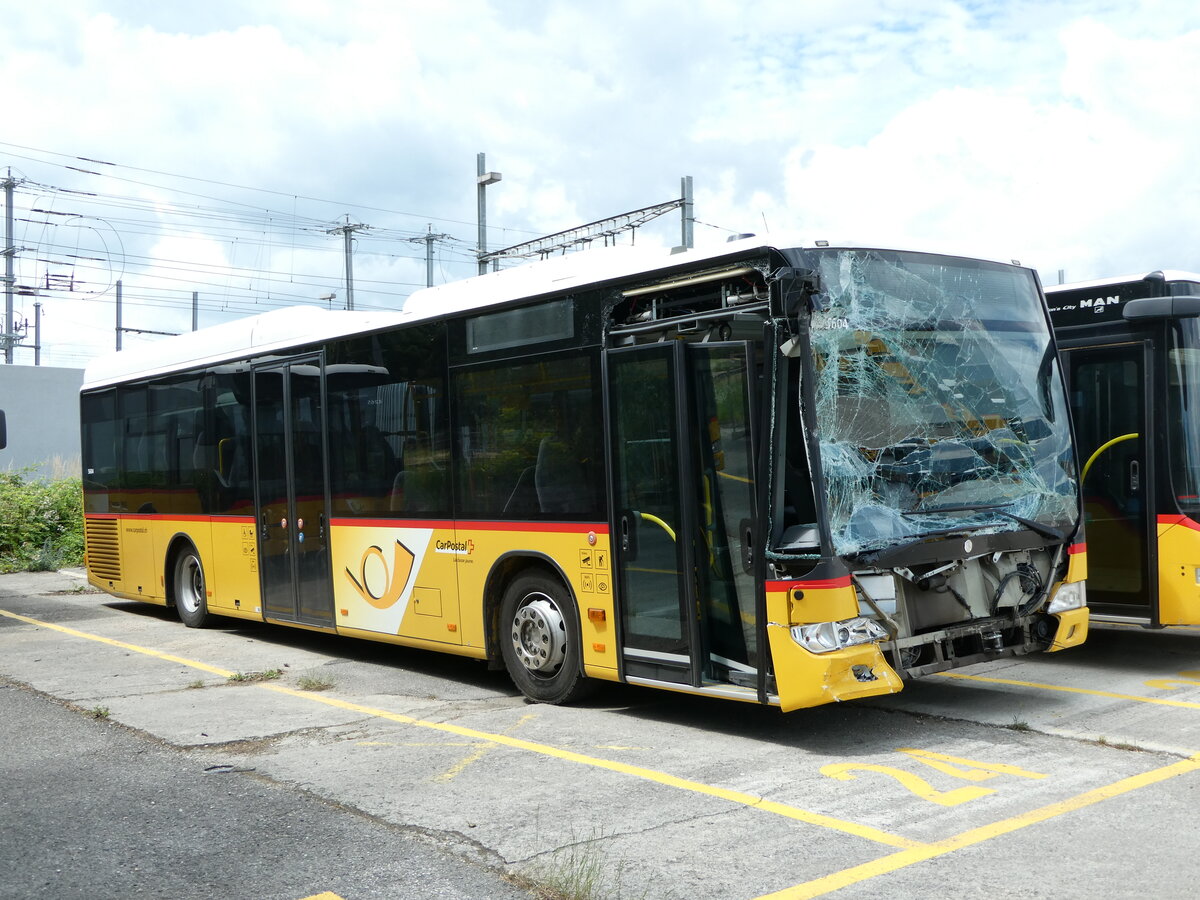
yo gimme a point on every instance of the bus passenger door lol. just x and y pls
(1108, 401)
(683, 491)
(290, 491)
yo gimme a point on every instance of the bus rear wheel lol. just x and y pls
(539, 639)
(191, 601)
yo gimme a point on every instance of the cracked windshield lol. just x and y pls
(938, 404)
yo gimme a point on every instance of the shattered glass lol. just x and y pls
(938, 404)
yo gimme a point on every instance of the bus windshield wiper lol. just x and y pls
(1047, 531)
(968, 507)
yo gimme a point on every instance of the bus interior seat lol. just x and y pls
(559, 478)
(419, 488)
(523, 497)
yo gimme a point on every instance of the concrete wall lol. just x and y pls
(41, 405)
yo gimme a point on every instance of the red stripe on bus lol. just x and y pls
(392, 523)
(531, 527)
(1185, 521)
(555, 527)
(167, 517)
(823, 584)
(540, 527)
(1077, 548)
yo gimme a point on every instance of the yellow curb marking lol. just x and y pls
(738, 797)
(481, 751)
(224, 673)
(911, 852)
(1071, 690)
(837, 880)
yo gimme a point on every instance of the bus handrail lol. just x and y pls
(649, 517)
(1101, 449)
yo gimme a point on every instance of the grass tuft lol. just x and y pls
(314, 683)
(249, 677)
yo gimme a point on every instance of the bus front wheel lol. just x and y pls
(190, 598)
(539, 639)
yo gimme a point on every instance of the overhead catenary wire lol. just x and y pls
(242, 248)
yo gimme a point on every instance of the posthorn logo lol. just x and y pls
(379, 583)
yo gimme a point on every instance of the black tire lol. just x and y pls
(191, 600)
(539, 639)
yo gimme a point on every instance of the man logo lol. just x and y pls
(393, 582)
(1098, 305)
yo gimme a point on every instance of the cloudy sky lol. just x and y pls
(214, 148)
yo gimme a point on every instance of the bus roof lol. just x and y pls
(1168, 275)
(296, 326)
(262, 334)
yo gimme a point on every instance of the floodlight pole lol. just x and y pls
(482, 179)
(347, 233)
(9, 335)
(687, 212)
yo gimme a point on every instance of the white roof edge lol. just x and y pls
(278, 329)
(1169, 274)
(293, 326)
(602, 264)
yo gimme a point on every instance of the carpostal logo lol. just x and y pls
(462, 548)
(394, 580)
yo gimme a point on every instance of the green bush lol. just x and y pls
(41, 522)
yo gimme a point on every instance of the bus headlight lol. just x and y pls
(824, 637)
(1068, 596)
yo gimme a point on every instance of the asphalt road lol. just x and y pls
(91, 809)
(1074, 774)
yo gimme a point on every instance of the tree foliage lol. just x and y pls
(41, 522)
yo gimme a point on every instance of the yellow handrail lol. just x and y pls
(1102, 448)
(657, 521)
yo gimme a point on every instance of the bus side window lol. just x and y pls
(528, 438)
(389, 424)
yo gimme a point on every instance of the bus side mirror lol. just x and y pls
(1147, 308)
(3, 431)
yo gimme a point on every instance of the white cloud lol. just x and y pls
(1061, 133)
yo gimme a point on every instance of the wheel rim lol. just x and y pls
(191, 583)
(539, 634)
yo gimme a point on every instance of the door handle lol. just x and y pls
(1135, 476)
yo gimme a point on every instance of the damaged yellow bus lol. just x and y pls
(771, 472)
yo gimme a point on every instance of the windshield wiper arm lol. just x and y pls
(1047, 531)
(969, 507)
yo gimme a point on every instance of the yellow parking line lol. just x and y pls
(750, 800)
(224, 673)
(865, 832)
(1071, 690)
(837, 880)
(481, 750)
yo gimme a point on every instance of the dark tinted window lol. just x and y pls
(178, 410)
(223, 446)
(529, 439)
(389, 424)
(99, 450)
(554, 321)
